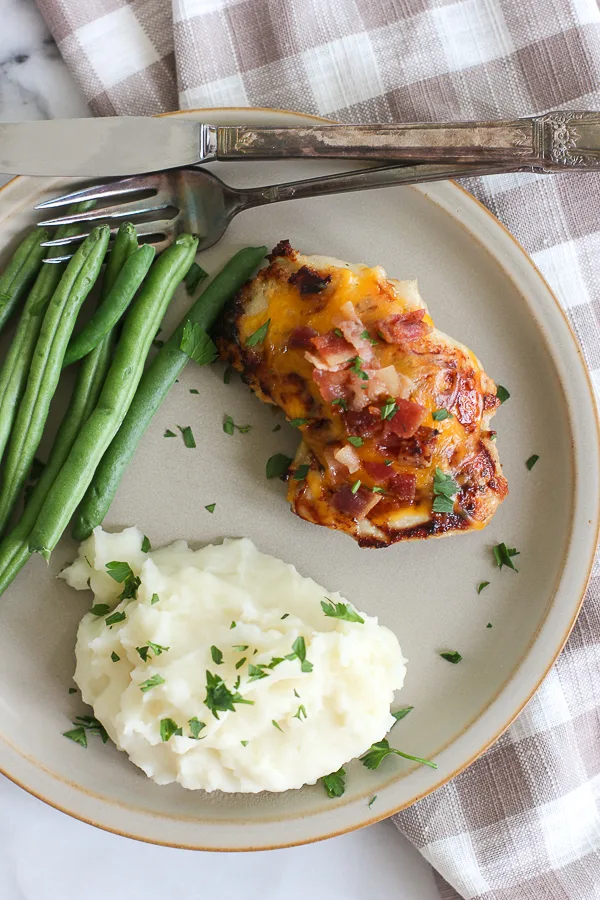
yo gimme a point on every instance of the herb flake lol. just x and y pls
(340, 611)
(188, 436)
(169, 728)
(451, 656)
(373, 758)
(503, 556)
(278, 465)
(335, 784)
(258, 336)
(530, 463)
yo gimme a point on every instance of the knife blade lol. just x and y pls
(126, 145)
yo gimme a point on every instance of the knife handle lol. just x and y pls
(553, 141)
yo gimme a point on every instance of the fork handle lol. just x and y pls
(552, 142)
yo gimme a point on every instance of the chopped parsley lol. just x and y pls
(503, 556)
(338, 332)
(438, 415)
(123, 574)
(357, 368)
(77, 734)
(244, 743)
(229, 426)
(239, 648)
(74, 690)
(115, 618)
(278, 465)
(197, 345)
(355, 441)
(155, 599)
(482, 586)
(152, 682)
(196, 727)
(218, 696)
(142, 652)
(501, 393)
(335, 784)
(367, 337)
(373, 758)
(168, 728)
(389, 409)
(378, 490)
(85, 725)
(301, 712)
(340, 611)
(188, 436)
(401, 713)
(233, 625)
(195, 274)
(217, 655)
(489, 625)
(100, 609)
(157, 649)
(169, 433)
(299, 652)
(146, 545)
(194, 391)
(258, 336)
(285, 615)
(115, 658)
(277, 427)
(120, 571)
(372, 800)
(301, 472)
(530, 463)
(210, 508)
(275, 725)
(341, 403)
(297, 423)
(240, 662)
(356, 486)
(256, 672)
(445, 489)
(452, 656)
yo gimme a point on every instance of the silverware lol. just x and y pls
(195, 200)
(125, 146)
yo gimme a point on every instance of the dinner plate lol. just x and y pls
(483, 290)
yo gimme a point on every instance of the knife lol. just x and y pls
(132, 145)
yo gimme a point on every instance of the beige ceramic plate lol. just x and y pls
(482, 289)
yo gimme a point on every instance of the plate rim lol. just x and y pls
(494, 222)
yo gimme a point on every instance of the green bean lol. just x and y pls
(119, 389)
(74, 286)
(110, 311)
(155, 385)
(15, 368)
(14, 549)
(20, 272)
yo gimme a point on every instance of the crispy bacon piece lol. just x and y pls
(378, 470)
(332, 385)
(403, 327)
(407, 418)
(403, 485)
(414, 451)
(355, 505)
(365, 423)
(309, 281)
(300, 337)
(330, 351)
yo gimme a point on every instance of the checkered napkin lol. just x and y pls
(523, 822)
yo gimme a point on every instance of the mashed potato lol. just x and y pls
(227, 626)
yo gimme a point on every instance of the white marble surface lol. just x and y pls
(44, 854)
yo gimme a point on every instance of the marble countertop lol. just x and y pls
(43, 851)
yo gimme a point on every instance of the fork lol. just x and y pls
(196, 201)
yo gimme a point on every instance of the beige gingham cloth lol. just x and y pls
(523, 822)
